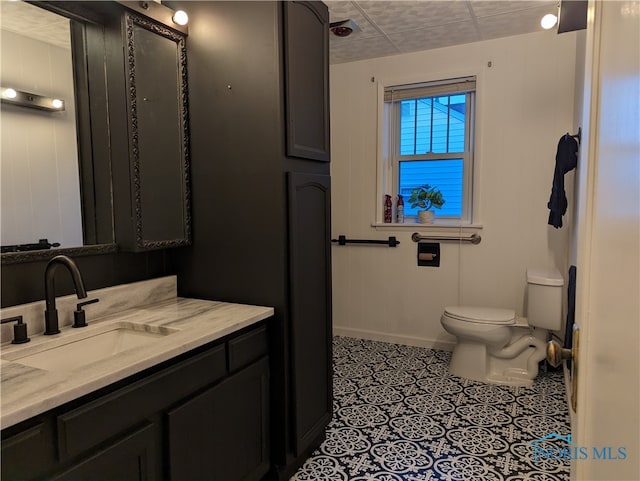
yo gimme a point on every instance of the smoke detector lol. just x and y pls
(343, 28)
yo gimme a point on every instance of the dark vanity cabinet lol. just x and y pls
(201, 416)
(259, 120)
(227, 425)
(150, 138)
(132, 457)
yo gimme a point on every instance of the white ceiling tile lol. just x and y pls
(435, 37)
(37, 23)
(398, 16)
(339, 10)
(484, 8)
(360, 48)
(512, 23)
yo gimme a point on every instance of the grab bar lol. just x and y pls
(473, 238)
(342, 240)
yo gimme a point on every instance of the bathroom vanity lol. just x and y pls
(190, 401)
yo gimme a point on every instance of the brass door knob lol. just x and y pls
(556, 353)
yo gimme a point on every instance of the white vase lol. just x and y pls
(425, 216)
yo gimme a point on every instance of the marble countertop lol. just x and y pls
(28, 391)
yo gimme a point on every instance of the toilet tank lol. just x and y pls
(544, 292)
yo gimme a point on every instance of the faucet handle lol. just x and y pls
(79, 315)
(19, 330)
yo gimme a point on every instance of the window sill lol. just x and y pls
(436, 226)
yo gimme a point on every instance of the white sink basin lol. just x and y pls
(78, 353)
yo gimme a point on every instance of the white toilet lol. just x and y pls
(496, 346)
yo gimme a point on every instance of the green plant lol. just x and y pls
(426, 197)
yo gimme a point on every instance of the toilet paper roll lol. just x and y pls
(426, 256)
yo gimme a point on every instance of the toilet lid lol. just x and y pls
(482, 315)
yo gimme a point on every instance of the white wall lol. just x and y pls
(39, 163)
(524, 104)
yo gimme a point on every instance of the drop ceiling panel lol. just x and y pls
(436, 36)
(512, 23)
(490, 7)
(399, 16)
(36, 23)
(359, 48)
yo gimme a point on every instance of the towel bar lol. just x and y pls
(473, 238)
(342, 240)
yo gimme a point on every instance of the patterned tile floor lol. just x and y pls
(399, 416)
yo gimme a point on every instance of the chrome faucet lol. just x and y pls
(51, 313)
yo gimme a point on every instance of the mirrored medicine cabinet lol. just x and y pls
(109, 172)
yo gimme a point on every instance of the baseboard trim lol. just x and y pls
(393, 338)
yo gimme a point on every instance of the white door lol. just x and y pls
(607, 421)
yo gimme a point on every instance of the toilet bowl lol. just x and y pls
(495, 345)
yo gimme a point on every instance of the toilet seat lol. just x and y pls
(482, 315)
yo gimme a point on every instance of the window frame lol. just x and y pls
(390, 158)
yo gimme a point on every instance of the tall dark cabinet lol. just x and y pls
(260, 195)
(307, 84)
(310, 307)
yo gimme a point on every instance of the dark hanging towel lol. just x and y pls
(566, 160)
(571, 310)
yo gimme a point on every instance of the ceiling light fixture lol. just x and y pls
(180, 17)
(548, 21)
(343, 28)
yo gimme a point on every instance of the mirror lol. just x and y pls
(45, 154)
(157, 171)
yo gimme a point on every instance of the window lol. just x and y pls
(429, 134)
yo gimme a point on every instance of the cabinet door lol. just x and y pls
(158, 135)
(28, 453)
(311, 331)
(222, 434)
(133, 458)
(306, 47)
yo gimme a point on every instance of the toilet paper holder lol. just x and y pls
(429, 254)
